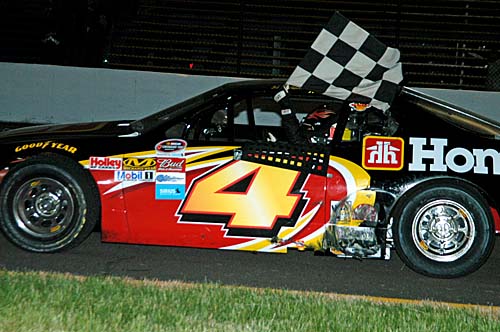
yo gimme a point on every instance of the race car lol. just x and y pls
(219, 171)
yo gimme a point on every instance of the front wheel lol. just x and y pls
(49, 203)
(443, 230)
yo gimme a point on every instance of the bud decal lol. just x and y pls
(171, 165)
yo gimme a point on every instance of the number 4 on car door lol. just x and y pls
(244, 195)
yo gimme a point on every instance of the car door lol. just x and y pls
(224, 199)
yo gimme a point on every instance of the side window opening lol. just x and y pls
(209, 123)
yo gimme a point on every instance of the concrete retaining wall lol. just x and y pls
(47, 94)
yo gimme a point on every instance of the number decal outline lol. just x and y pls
(238, 196)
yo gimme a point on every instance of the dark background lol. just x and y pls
(453, 44)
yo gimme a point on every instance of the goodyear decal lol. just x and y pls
(46, 145)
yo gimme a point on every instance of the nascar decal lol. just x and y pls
(383, 153)
(46, 145)
(250, 199)
(172, 147)
(459, 160)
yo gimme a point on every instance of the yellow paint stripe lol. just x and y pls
(259, 245)
(361, 177)
(139, 154)
(256, 245)
(190, 166)
(212, 150)
(304, 220)
(394, 300)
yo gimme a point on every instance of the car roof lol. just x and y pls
(449, 112)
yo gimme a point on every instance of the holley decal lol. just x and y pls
(105, 163)
(46, 145)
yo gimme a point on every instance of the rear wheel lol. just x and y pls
(49, 203)
(443, 230)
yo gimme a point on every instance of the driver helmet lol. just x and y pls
(319, 125)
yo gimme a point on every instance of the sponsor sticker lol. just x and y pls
(171, 147)
(170, 185)
(139, 164)
(105, 163)
(170, 191)
(46, 145)
(383, 153)
(135, 176)
(173, 164)
(171, 177)
(434, 155)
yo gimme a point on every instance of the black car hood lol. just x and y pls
(77, 130)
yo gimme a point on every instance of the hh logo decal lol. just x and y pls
(251, 199)
(383, 153)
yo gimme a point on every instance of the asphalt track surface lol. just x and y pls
(295, 270)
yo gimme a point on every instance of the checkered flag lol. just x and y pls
(347, 63)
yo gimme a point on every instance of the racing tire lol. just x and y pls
(444, 230)
(49, 203)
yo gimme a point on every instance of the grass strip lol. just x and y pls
(34, 301)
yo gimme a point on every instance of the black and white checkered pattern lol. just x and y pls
(348, 63)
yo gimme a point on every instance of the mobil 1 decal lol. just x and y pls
(170, 180)
(249, 199)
